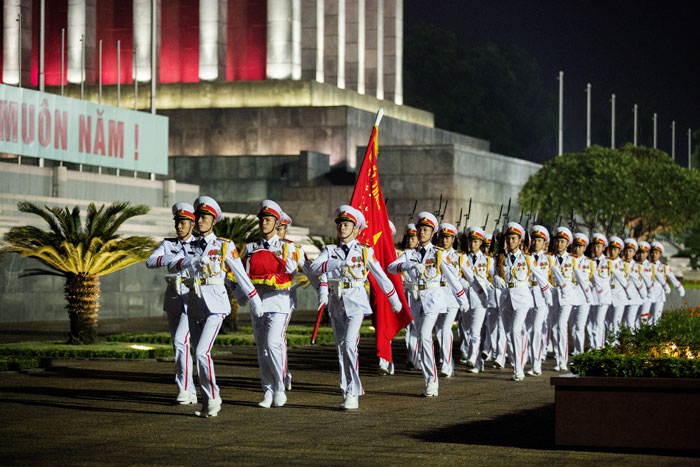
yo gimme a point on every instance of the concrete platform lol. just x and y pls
(88, 412)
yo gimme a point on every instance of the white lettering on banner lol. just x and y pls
(54, 127)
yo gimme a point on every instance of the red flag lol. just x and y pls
(368, 198)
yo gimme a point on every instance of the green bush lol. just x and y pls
(50, 349)
(19, 363)
(670, 349)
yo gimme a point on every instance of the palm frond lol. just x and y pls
(31, 208)
(40, 272)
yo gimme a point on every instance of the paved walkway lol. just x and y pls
(90, 412)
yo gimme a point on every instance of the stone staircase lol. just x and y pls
(157, 224)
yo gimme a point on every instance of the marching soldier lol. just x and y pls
(271, 264)
(646, 271)
(208, 302)
(175, 300)
(638, 291)
(345, 268)
(619, 288)
(602, 296)
(535, 321)
(410, 242)
(514, 275)
(426, 267)
(494, 333)
(472, 322)
(661, 275)
(581, 310)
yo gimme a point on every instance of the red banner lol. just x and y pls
(368, 198)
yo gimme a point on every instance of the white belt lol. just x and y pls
(190, 281)
(429, 285)
(337, 285)
(519, 284)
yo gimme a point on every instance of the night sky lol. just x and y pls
(646, 53)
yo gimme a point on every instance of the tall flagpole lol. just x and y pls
(561, 113)
(42, 40)
(612, 122)
(635, 124)
(119, 75)
(588, 115)
(690, 149)
(63, 56)
(654, 119)
(99, 93)
(673, 140)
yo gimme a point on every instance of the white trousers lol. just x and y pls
(346, 332)
(271, 340)
(445, 338)
(534, 325)
(473, 321)
(579, 318)
(629, 317)
(596, 325)
(180, 332)
(614, 320)
(657, 309)
(204, 331)
(427, 351)
(644, 315)
(497, 335)
(560, 335)
(514, 322)
(413, 337)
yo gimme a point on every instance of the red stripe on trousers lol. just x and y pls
(211, 382)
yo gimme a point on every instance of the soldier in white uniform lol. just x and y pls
(494, 333)
(175, 299)
(581, 309)
(638, 289)
(410, 242)
(303, 266)
(566, 278)
(513, 277)
(534, 323)
(646, 270)
(620, 288)
(426, 267)
(345, 268)
(271, 264)
(482, 269)
(208, 302)
(661, 274)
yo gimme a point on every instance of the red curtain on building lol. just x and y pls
(179, 41)
(246, 40)
(115, 22)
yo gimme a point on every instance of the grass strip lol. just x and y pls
(53, 349)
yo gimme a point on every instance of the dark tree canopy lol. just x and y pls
(490, 92)
(639, 188)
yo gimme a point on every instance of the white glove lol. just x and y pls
(681, 291)
(548, 297)
(256, 307)
(396, 305)
(499, 282)
(463, 309)
(418, 267)
(667, 289)
(322, 299)
(201, 261)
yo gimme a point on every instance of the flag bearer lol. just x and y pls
(271, 264)
(175, 300)
(345, 268)
(208, 302)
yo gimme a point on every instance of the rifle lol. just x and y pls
(444, 209)
(413, 213)
(459, 219)
(506, 216)
(591, 226)
(486, 221)
(439, 209)
(492, 248)
(571, 220)
(526, 240)
(467, 215)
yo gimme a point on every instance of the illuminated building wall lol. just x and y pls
(351, 44)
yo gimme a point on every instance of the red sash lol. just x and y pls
(266, 268)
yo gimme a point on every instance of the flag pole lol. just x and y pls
(380, 114)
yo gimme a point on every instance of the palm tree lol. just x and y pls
(241, 231)
(80, 252)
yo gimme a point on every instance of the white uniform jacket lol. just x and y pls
(661, 274)
(638, 290)
(619, 286)
(540, 262)
(645, 270)
(175, 298)
(425, 286)
(275, 300)
(602, 278)
(514, 277)
(567, 277)
(207, 281)
(346, 274)
(480, 287)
